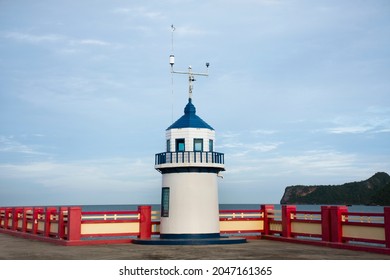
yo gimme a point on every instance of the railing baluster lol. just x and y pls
(189, 157)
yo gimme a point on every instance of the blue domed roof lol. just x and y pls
(190, 119)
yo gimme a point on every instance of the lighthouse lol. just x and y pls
(190, 169)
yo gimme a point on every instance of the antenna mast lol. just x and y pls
(190, 74)
(173, 29)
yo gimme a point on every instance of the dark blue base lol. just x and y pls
(190, 241)
(189, 235)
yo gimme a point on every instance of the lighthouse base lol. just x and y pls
(190, 241)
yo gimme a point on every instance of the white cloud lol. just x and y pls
(8, 144)
(57, 38)
(265, 147)
(190, 30)
(384, 130)
(318, 161)
(250, 147)
(34, 39)
(356, 129)
(122, 10)
(92, 42)
(371, 120)
(229, 134)
(303, 166)
(263, 178)
(77, 94)
(104, 181)
(263, 132)
(139, 12)
(114, 174)
(234, 140)
(348, 129)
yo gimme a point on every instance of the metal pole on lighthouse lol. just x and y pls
(190, 74)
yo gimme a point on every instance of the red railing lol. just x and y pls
(249, 223)
(332, 225)
(114, 219)
(371, 222)
(48, 222)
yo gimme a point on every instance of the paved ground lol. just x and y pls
(16, 248)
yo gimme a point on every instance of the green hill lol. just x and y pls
(373, 191)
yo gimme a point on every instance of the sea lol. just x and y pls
(156, 207)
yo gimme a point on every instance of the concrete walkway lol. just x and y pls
(16, 248)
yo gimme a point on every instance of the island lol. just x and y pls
(373, 191)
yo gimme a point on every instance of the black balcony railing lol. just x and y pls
(189, 157)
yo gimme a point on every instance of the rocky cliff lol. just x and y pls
(373, 191)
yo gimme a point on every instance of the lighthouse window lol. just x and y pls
(211, 145)
(168, 145)
(180, 146)
(198, 145)
(165, 202)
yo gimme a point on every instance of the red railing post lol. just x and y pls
(48, 219)
(265, 209)
(37, 216)
(74, 223)
(19, 217)
(286, 219)
(34, 221)
(25, 220)
(7, 214)
(145, 224)
(15, 217)
(336, 233)
(61, 222)
(325, 223)
(386, 211)
(2, 215)
(2, 212)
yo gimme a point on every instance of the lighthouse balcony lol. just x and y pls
(190, 159)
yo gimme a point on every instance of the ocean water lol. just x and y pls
(156, 207)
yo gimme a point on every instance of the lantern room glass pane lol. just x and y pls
(211, 145)
(198, 145)
(168, 145)
(180, 146)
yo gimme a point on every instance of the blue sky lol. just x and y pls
(298, 93)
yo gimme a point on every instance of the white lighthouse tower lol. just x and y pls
(189, 167)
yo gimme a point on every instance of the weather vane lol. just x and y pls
(190, 74)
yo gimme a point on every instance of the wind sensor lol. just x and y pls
(190, 74)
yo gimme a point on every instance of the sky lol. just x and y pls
(298, 92)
